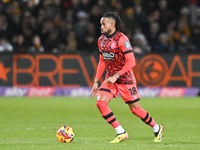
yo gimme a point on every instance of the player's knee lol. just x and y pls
(98, 104)
(134, 105)
(134, 110)
(101, 104)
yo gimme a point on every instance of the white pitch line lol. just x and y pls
(42, 128)
(29, 128)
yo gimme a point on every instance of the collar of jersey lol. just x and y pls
(110, 36)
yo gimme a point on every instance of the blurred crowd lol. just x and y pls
(73, 26)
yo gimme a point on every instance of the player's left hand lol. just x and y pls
(111, 80)
(95, 89)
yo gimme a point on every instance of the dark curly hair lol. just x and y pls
(119, 24)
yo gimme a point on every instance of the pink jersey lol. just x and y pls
(113, 49)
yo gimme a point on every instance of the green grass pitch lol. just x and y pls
(31, 123)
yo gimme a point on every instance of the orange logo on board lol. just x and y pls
(152, 70)
(3, 72)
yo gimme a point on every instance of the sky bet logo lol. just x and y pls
(108, 56)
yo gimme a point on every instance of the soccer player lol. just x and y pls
(116, 56)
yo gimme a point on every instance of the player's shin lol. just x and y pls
(146, 118)
(143, 114)
(108, 115)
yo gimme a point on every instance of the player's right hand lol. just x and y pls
(95, 89)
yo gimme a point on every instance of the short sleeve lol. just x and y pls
(125, 44)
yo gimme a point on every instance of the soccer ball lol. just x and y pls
(65, 134)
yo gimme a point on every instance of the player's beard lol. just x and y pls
(107, 32)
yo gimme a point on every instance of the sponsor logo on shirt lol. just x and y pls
(108, 55)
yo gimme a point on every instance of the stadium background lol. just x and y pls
(50, 48)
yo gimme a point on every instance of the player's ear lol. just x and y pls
(113, 23)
